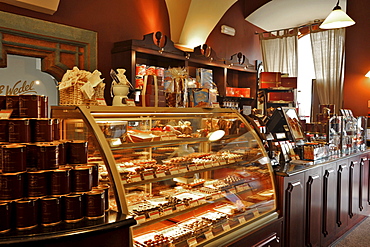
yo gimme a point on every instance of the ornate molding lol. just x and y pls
(59, 46)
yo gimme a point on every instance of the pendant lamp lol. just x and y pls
(337, 19)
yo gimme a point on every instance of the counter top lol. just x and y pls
(292, 169)
(112, 220)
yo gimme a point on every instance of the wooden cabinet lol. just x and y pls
(321, 203)
(329, 205)
(342, 196)
(313, 205)
(268, 236)
(292, 208)
(155, 52)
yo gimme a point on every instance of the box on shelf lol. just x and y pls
(199, 97)
(280, 96)
(205, 77)
(290, 82)
(238, 92)
(270, 79)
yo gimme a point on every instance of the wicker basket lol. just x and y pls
(74, 96)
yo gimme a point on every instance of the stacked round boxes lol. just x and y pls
(43, 180)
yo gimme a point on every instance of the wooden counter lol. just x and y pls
(321, 202)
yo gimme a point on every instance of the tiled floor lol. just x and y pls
(359, 237)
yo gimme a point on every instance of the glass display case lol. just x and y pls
(189, 176)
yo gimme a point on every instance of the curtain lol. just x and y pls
(328, 56)
(280, 51)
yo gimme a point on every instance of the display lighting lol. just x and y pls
(368, 74)
(337, 19)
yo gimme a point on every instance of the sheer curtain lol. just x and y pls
(328, 56)
(280, 51)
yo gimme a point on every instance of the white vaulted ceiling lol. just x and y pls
(280, 14)
(191, 21)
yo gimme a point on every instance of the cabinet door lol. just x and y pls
(313, 183)
(329, 204)
(364, 182)
(342, 196)
(294, 210)
(354, 188)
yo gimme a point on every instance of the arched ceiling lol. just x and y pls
(280, 14)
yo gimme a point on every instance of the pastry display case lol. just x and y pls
(189, 177)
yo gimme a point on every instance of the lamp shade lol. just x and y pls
(337, 19)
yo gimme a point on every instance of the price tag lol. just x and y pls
(101, 101)
(5, 114)
(154, 215)
(241, 219)
(202, 200)
(232, 190)
(174, 171)
(160, 174)
(192, 242)
(208, 234)
(135, 178)
(200, 166)
(180, 207)
(193, 203)
(124, 181)
(148, 175)
(192, 167)
(256, 213)
(140, 219)
(167, 211)
(183, 169)
(226, 226)
(239, 188)
(222, 162)
(130, 102)
(208, 164)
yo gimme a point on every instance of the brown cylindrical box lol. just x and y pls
(77, 152)
(31, 155)
(12, 102)
(105, 188)
(95, 173)
(37, 183)
(48, 156)
(50, 212)
(2, 101)
(12, 185)
(81, 178)
(4, 135)
(5, 216)
(13, 158)
(56, 129)
(44, 106)
(29, 106)
(60, 182)
(72, 207)
(61, 152)
(42, 130)
(95, 204)
(19, 130)
(26, 212)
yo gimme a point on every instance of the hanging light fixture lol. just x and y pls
(337, 19)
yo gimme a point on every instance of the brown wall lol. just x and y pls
(356, 85)
(118, 20)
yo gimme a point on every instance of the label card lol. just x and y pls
(135, 178)
(140, 219)
(226, 226)
(208, 234)
(192, 242)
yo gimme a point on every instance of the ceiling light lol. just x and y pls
(368, 74)
(337, 19)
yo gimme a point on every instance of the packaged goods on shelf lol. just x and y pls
(205, 78)
(80, 87)
(270, 79)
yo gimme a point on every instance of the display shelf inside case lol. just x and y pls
(182, 185)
